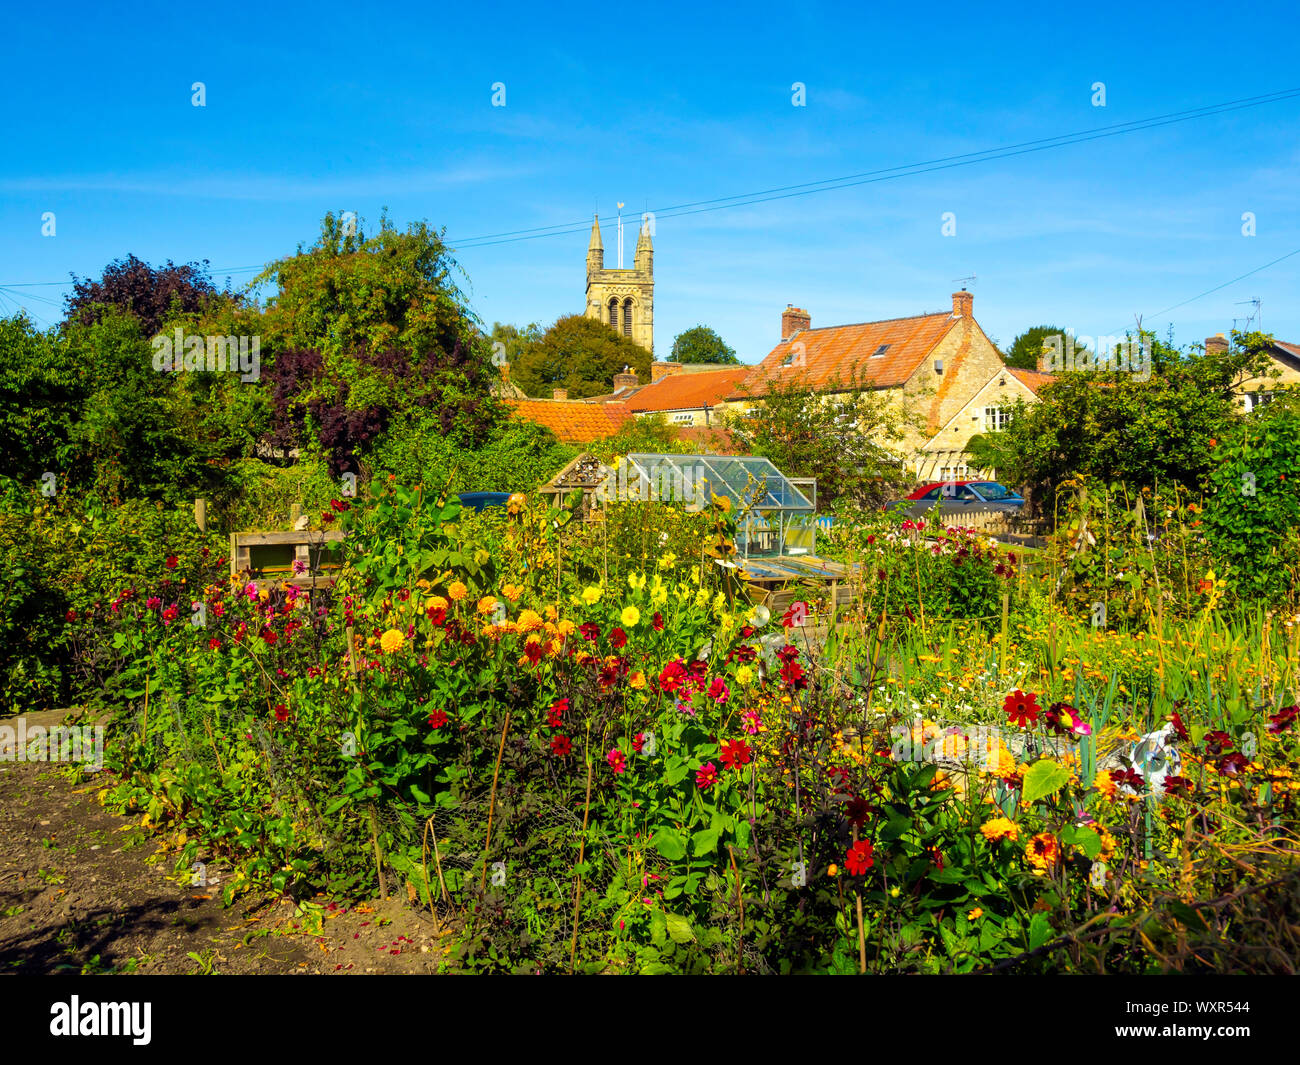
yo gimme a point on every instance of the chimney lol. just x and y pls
(962, 304)
(559, 393)
(1216, 344)
(626, 379)
(660, 370)
(793, 320)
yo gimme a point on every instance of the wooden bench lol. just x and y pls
(268, 557)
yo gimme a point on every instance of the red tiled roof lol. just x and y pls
(712, 441)
(573, 421)
(1290, 349)
(683, 391)
(1031, 379)
(837, 351)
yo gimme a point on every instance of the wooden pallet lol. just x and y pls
(267, 558)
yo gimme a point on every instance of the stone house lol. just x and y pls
(934, 366)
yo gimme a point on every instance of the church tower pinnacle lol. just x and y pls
(622, 299)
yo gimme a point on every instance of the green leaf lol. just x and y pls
(1040, 931)
(670, 844)
(679, 928)
(1044, 778)
(705, 841)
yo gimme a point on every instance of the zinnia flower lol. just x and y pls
(281, 712)
(1000, 828)
(437, 719)
(561, 745)
(706, 775)
(617, 760)
(859, 858)
(1021, 709)
(1042, 851)
(735, 753)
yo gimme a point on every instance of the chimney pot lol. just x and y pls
(1216, 343)
(963, 303)
(794, 320)
(660, 370)
(626, 379)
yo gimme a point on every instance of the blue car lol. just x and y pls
(480, 501)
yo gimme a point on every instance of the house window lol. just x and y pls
(880, 351)
(996, 418)
(684, 417)
(938, 367)
(954, 473)
(1254, 400)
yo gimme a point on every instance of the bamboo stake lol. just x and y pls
(492, 802)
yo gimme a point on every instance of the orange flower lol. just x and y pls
(456, 591)
(1043, 851)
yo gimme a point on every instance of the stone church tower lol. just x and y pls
(623, 299)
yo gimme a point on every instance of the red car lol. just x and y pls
(955, 497)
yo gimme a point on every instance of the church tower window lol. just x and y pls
(627, 317)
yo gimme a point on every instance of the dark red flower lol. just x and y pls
(71, 615)
(705, 776)
(281, 712)
(214, 644)
(839, 778)
(618, 638)
(672, 676)
(859, 858)
(1179, 727)
(792, 673)
(326, 518)
(1283, 719)
(590, 631)
(1021, 709)
(171, 562)
(555, 715)
(1175, 785)
(1217, 742)
(735, 753)
(561, 745)
(1232, 764)
(533, 652)
(436, 614)
(437, 719)
(658, 622)
(269, 635)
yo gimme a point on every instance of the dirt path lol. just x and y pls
(85, 891)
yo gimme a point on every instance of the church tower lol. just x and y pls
(623, 299)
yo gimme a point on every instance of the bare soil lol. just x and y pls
(85, 891)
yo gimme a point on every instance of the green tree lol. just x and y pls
(579, 354)
(364, 329)
(701, 344)
(839, 433)
(514, 338)
(1119, 427)
(1028, 346)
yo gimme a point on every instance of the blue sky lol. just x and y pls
(342, 107)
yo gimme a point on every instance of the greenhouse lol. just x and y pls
(774, 516)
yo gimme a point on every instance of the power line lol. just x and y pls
(891, 173)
